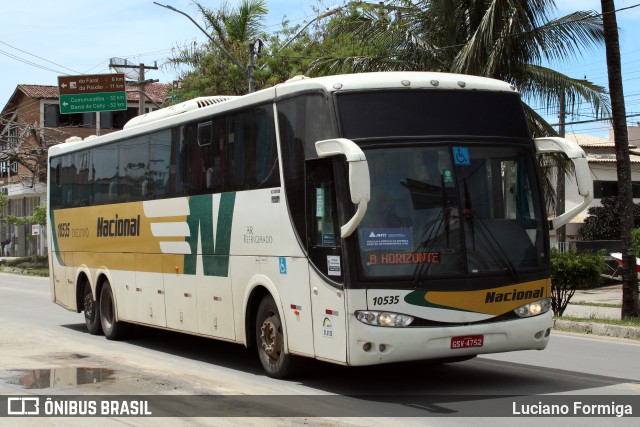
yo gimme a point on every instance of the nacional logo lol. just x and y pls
(514, 295)
(118, 227)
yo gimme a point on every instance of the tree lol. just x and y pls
(492, 38)
(39, 215)
(25, 145)
(206, 69)
(630, 299)
(571, 271)
(603, 222)
(277, 56)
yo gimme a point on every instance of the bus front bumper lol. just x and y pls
(370, 345)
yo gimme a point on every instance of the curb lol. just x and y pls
(595, 328)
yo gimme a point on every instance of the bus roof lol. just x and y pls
(390, 80)
(203, 107)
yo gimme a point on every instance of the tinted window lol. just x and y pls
(303, 121)
(602, 189)
(431, 112)
(159, 166)
(133, 164)
(105, 174)
(224, 153)
(252, 150)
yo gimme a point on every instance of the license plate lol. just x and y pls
(468, 341)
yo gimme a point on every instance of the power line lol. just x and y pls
(33, 64)
(604, 119)
(36, 56)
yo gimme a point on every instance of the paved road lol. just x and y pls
(43, 344)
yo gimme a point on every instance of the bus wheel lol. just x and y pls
(91, 311)
(270, 340)
(112, 329)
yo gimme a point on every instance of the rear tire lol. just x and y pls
(270, 341)
(91, 311)
(112, 328)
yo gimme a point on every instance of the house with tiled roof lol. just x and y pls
(32, 115)
(601, 156)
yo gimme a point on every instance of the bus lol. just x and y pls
(356, 219)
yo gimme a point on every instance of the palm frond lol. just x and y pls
(546, 85)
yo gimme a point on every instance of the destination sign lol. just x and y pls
(92, 93)
(91, 102)
(91, 83)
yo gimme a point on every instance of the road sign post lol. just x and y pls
(92, 93)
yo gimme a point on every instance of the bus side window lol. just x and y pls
(177, 163)
(156, 182)
(193, 170)
(252, 154)
(55, 190)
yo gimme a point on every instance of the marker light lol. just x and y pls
(384, 318)
(534, 308)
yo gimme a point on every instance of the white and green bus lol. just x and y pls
(356, 219)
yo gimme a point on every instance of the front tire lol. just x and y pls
(112, 328)
(91, 311)
(270, 340)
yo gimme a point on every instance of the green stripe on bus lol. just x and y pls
(200, 222)
(54, 238)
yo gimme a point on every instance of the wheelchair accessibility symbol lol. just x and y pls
(461, 156)
(283, 265)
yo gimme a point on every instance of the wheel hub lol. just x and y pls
(270, 339)
(88, 306)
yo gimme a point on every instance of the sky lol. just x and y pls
(43, 39)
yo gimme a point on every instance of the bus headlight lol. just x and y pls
(384, 318)
(534, 308)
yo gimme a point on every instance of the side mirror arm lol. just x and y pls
(583, 173)
(359, 182)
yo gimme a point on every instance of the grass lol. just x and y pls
(635, 322)
(596, 304)
(31, 265)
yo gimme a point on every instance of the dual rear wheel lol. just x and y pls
(100, 315)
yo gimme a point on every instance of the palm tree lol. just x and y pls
(205, 69)
(508, 40)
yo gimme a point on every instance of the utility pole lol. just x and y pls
(141, 81)
(251, 66)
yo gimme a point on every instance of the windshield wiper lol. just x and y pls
(495, 249)
(427, 245)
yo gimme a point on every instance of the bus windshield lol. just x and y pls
(451, 210)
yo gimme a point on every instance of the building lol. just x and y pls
(30, 122)
(602, 163)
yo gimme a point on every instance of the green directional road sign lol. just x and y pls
(92, 93)
(90, 102)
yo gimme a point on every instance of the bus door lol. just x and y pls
(326, 275)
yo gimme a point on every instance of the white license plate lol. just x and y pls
(467, 341)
